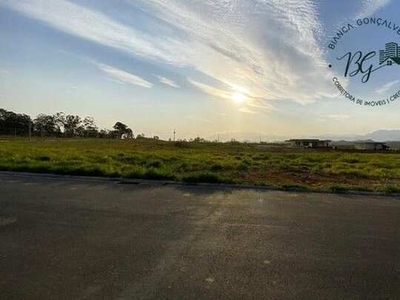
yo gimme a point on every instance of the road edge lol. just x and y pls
(121, 180)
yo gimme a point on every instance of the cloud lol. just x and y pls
(88, 24)
(248, 105)
(168, 82)
(370, 7)
(202, 120)
(210, 90)
(259, 104)
(247, 111)
(338, 117)
(387, 87)
(4, 72)
(269, 47)
(122, 76)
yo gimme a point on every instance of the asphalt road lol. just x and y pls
(66, 238)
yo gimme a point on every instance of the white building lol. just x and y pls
(371, 146)
(309, 143)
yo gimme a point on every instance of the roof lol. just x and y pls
(308, 140)
(371, 143)
(395, 59)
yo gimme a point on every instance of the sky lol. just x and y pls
(238, 68)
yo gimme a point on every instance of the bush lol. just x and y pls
(389, 189)
(43, 158)
(154, 164)
(181, 144)
(242, 167)
(156, 174)
(352, 160)
(338, 189)
(295, 187)
(216, 167)
(205, 177)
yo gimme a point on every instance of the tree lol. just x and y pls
(122, 129)
(58, 125)
(104, 133)
(90, 128)
(73, 126)
(199, 140)
(129, 133)
(45, 125)
(14, 124)
(59, 119)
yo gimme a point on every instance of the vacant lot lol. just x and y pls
(333, 170)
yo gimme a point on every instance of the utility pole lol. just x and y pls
(30, 129)
(174, 134)
(218, 137)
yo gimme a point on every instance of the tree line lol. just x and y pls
(58, 125)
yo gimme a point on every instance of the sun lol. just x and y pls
(238, 98)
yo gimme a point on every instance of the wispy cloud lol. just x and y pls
(168, 82)
(259, 104)
(202, 120)
(269, 47)
(250, 105)
(387, 87)
(370, 7)
(247, 111)
(122, 76)
(94, 26)
(210, 90)
(337, 117)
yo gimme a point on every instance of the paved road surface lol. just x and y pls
(89, 239)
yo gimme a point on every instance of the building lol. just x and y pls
(391, 49)
(309, 143)
(392, 60)
(376, 146)
(382, 56)
(391, 53)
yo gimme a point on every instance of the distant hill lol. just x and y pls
(246, 137)
(377, 136)
(384, 135)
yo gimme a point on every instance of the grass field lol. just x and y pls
(307, 169)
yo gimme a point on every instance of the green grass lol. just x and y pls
(299, 169)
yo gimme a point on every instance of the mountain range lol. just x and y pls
(383, 135)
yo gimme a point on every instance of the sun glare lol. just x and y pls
(238, 98)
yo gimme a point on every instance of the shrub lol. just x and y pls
(43, 158)
(216, 167)
(389, 189)
(181, 144)
(156, 174)
(154, 164)
(205, 177)
(242, 167)
(295, 187)
(338, 189)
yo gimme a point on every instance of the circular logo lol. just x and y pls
(364, 55)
